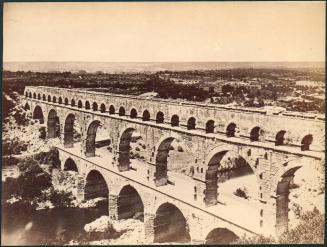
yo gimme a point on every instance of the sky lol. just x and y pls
(164, 32)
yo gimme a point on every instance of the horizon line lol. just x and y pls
(77, 61)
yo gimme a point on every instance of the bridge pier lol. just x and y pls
(149, 227)
(113, 206)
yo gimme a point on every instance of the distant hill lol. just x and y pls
(113, 67)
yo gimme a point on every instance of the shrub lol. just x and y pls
(241, 193)
(61, 198)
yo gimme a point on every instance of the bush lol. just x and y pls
(61, 198)
(241, 193)
(50, 158)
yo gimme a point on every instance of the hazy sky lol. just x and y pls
(154, 32)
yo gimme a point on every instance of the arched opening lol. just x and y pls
(130, 204)
(38, 114)
(191, 123)
(121, 111)
(112, 110)
(87, 105)
(39, 96)
(146, 116)
(280, 138)
(133, 113)
(170, 225)
(96, 188)
(49, 98)
(255, 134)
(70, 165)
(175, 121)
(80, 104)
(54, 99)
(124, 149)
(210, 126)
(306, 142)
(95, 106)
(161, 173)
(102, 108)
(44, 97)
(221, 236)
(27, 107)
(235, 177)
(34, 95)
(72, 131)
(90, 139)
(231, 130)
(53, 124)
(160, 117)
(66, 101)
(30, 95)
(282, 200)
(26, 94)
(60, 100)
(73, 103)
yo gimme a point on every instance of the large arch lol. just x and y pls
(210, 126)
(282, 199)
(160, 117)
(27, 107)
(38, 114)
(70, 165)
(175, 121)
(69, 131)
(161, 173)
(90, 139)
(221, 236)
(130, 204)
(53, 124)
(96, 187)
(124, 149)
(170, 225)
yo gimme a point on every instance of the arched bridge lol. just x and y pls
(273, 146)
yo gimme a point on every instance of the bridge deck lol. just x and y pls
(246, 216)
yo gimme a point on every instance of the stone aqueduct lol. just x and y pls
(274, 145)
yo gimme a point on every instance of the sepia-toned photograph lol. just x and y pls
(159, 123)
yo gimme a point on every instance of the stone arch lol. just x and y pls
(124, 149)
(306, 142)
(30, 95)
(175, 121)
(53, 124)
(49, 98)
(34, 95)
(90, 139)
(69, 131)
(160, 117)
(146, 115)
(121, 111)
(60, 100)
(282, 199)
(87, 105)
(211, 176)
(54, 99)
(112, 110)
(133, 113)
(210, 126)
(256, 134)
(27, 107)
(26, 94)
(70, 165)
(38, 114)
(80, 104)
(72, 103)
(231, 129)
(102, 108)
(95, 106)
(130, 204)
(191, 123)
(39, 96)
(170, 225)
(66, 101)
(221, 236)
(97, 187)
(44, 97)
(280, 138)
